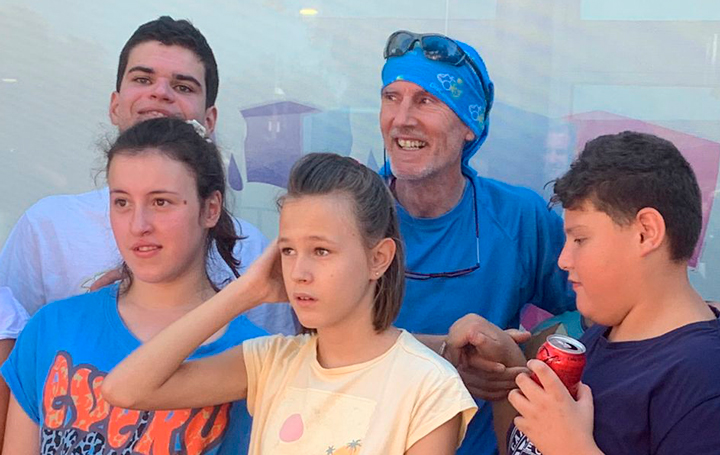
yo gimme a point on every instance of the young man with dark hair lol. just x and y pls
(169, 32)
(63, 243)
(652, 380)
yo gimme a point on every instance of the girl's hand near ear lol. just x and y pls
(263, 278)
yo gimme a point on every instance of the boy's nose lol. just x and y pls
(564, 261)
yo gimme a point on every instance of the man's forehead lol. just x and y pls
(152, 54)
(405, 86)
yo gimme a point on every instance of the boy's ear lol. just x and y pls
(381, 256)
(112, 110)
(651, 226)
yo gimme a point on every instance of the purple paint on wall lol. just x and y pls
(234, 178)
(274, 140)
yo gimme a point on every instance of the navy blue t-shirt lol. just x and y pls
(659, 396)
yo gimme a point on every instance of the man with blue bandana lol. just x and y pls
(475, 246)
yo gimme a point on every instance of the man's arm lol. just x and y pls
(503, 416)
(20, 265)
(552, 291)
(487, 358)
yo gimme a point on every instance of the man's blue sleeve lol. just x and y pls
(552, 289)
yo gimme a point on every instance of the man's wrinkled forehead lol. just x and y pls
(410, 88)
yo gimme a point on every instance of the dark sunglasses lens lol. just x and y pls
(442, 49)
(398, 44)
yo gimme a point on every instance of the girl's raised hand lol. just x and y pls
(264, 277)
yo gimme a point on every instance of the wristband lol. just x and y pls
(442, 349)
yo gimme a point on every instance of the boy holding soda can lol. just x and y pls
(651, 384)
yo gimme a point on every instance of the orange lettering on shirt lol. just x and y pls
(55, 402)
(121, 425)
(206, 426)
(89, 405)
(157, 440)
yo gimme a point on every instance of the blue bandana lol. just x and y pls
(459, 87)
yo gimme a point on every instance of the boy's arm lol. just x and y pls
(443, 440)
(155, 376)
(556, 423)
(22, 432)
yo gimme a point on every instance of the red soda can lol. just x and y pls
(566, 357)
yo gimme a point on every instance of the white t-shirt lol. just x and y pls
(382, 406)
(12, 315)
(63, 243)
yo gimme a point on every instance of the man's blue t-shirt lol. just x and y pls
(519, 240)
(60, 360)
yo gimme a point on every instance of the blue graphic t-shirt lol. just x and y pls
(58, 364)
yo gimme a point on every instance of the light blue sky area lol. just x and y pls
(650, 10)
(649, 103)
(409, 9)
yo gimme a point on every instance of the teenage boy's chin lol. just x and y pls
(591, 314)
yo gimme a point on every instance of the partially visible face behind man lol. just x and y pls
(423, 137)
(161, 81)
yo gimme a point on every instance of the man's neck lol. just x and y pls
(430, 197)
(666, 301)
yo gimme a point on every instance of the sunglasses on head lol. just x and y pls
(436, 47)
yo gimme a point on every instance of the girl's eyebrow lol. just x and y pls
(114, 191)
(315, 237)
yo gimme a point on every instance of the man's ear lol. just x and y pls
(210, 119)
(651, 230)
(381, 256)
(212, 209)
(469, 135)
(112, 110)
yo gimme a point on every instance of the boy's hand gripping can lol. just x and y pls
(566, 357)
